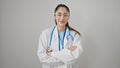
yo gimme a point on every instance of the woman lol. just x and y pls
(59, 46)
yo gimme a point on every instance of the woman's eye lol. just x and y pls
(65, 15)
(59, 15)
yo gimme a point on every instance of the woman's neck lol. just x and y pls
(61, 28)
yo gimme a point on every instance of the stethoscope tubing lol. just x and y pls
(68, 36)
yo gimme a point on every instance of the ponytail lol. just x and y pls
(72, 29)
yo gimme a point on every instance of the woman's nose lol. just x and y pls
(62, 17)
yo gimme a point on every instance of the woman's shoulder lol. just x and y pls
(74, 33)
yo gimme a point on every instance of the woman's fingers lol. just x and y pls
(48, 53)
(72, 48)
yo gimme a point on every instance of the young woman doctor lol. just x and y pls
(59, 46)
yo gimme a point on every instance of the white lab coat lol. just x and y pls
(58, 58)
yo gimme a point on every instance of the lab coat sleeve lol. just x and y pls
(41, 52)
(68, 56)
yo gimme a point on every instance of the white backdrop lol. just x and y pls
(21, 22)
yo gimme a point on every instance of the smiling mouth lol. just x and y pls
(61, 21)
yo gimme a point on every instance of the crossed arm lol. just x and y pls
(67, 55)
(72, 48)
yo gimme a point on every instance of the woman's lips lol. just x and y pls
(61, 21)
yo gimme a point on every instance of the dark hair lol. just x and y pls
(67, 25)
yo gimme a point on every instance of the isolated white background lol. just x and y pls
(21, 22)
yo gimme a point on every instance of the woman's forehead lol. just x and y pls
(62, 10)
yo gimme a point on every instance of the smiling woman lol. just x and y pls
(59, 46)
(61, 17)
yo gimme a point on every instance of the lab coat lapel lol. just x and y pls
(65, 39)
(55, 39)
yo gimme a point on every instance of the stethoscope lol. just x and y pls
(69, 36)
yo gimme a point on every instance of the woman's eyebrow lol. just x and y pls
(66, 13)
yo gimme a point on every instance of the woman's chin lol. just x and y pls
(62, 25)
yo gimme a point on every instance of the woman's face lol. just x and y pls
(62, 16)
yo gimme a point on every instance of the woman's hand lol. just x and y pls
(49, 53)
(72, 48)
(49, 50)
